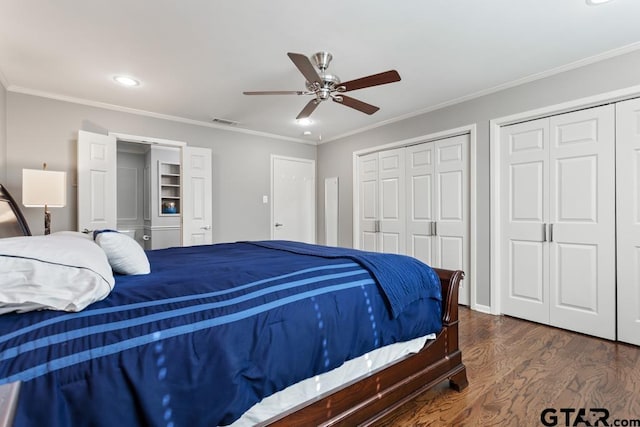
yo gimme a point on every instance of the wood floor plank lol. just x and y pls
(517, 368)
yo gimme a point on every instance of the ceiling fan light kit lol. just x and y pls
(323, 85)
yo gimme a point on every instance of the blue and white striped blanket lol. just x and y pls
(210, 332)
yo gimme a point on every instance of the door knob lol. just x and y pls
(278, 224)
(206, 227)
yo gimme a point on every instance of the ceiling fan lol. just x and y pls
(323, 85)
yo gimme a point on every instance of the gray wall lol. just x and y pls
(3, 133)
(335, 158)
(46, 130)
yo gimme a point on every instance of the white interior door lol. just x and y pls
(582, 209)
(197, 215)
(451, 207)
(368, 201)
(97, 174)
(420, 220)
(391, 177)
(293, 198)
(628, 219)
(525, 265)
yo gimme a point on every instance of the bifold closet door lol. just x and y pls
(437, 188)
(381, 201)
(582, 217)
(420, 212)
(525, 213)
(368, 202)
(628, 219)
(558, 224)
(392, 201)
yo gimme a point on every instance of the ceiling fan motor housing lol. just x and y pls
(322, 60)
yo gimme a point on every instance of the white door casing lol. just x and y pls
(293, 199)
(628, 219)
(197, 210)
(557, 221)
(97, 175)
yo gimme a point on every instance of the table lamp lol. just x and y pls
(43, 188)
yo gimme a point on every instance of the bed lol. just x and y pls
(176, 347)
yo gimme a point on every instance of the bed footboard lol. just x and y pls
(364, 401)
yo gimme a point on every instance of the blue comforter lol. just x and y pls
(210, 332)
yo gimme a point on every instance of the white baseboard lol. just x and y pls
(482, 308)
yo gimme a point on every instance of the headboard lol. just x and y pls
(12, 222)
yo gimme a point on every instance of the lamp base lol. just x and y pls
(47, 222)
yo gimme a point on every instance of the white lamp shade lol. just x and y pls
(43, 187)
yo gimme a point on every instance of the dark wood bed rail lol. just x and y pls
(368, 399)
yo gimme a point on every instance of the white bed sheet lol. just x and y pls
(312, 387)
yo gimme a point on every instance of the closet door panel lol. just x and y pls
(628, 219)
(368, 200)
(582, 237)
(451, 206)
(391, 175)
(419, 230)
(525, 266)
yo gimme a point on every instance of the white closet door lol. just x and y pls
(368, 201)
(525, 264)
(97, 171)
(582, 237)
(197, 211)
(392, 201)
(628, 219)
(419, 183)
(451, 206)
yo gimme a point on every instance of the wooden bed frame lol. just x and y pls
(368, 399)
(371, 397)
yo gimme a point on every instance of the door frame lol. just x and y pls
(312, 163)
(146, 140)
(472, 132)
(495, 202)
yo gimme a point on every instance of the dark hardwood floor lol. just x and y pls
(516, 369)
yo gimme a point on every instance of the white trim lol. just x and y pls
(106, 106)
(482, 308)
(312, 162)
(147, 140)
(471, 130)
(530, 78)
(494, 169)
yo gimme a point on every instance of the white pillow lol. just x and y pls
(55, 272)
(125, 255)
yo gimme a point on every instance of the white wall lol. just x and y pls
(46, 130)
(335, 158)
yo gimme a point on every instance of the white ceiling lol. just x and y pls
(196, 57)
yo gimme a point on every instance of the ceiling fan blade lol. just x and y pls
(275, 92)
(356, 104)
(372, 80)
(306, 67)
(308, 109)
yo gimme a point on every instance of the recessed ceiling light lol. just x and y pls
(126, 81)
(304, 122)
(306, 133)
(597, 2)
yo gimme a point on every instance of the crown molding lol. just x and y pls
(530, 78)
(113, 107)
